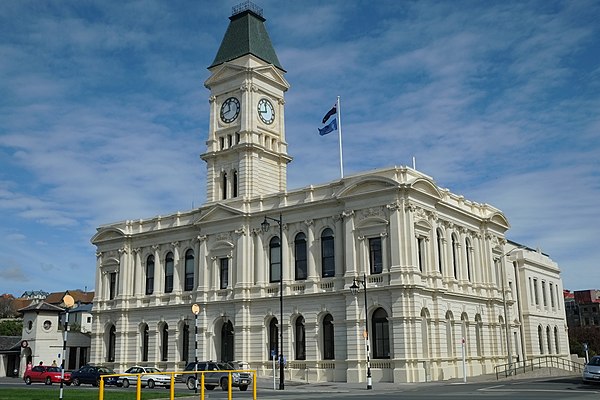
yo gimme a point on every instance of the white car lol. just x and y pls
(591, 372)
(151, 377)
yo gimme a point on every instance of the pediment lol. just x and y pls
(500, 219)
(272, 74)
(218, 212)
(109, 233)
(224, 72)
(367, 185)
(426, 186)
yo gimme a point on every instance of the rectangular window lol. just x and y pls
(544, 294)
(224, 272)
(535, 292)
(375, 255)
(552, 296)
(421, 250)
(113, 285)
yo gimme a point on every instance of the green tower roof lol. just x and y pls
(246, 34)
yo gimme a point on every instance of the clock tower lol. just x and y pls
(246, 151)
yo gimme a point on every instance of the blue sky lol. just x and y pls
(103, 114)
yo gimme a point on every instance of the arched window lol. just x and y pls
(450, 334)
(469, 249)
(150, 275)
(328, 338)
(169, 271)
(189, 270)
(455, 255)
(112, 343)
(165, 343)
(300, 254)
(381, 334)
(541, 339)
(549, 339)
(327, 253)
(556, 341)
(224, 189)
(185, 343)
(274, 260)
(145, 344)
(300, 336)
(273, 339)
(464, 331)
(440, 249)
(425, 333)
(227, 341)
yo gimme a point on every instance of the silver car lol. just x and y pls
(152, 377)
(591, 372)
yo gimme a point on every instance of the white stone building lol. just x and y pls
(435, 263)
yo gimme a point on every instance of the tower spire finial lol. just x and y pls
(246, 6)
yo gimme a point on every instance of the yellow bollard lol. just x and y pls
(254, 385)
(202, 386)
(229, 386)
(138, 389)
(172, 388)
(101, 394)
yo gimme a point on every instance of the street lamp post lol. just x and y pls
(265, 227)
(506, 319)
(68, 301)
(355, 289)
(196, 310)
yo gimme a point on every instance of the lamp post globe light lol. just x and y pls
(68, 301)
(355, 289)
(265, 227)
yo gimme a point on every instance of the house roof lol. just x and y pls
(10, 344)
(79, 296)
(246, 34)
(41, 306)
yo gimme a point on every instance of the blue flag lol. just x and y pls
(332, 126)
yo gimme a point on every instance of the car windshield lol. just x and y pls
(595, 361)
(53, 369)
(103, 370)
(152, 370)
(225, 366)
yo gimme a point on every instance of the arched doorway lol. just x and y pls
(227, 337)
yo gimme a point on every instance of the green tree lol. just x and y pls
(11, 328)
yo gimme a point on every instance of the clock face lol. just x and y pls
(230, 110)
(266, 112)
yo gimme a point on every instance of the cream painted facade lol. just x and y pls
(435, 263)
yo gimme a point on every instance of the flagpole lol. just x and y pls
(339, 121)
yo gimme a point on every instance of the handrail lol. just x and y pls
(506, 370)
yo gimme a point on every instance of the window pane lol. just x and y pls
(375, 255)
(327, 253)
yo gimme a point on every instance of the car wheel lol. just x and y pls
(191, 383)
(151, 384)
(96, 383)
(28, 381)
(209, 387)
(243, 388)
(76, 382)
(224, 385)
(125, 383)
(48, 381)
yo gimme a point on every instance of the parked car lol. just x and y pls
(218, 376)
(48, 375)
(152, 379)
(91, 374)
(591, 371)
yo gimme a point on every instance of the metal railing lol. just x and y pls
(183, 373)
(522, 367)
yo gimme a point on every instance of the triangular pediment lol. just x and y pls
(273, 75)
(224, 72)
(426, 186)
(219, 212)
(367, 185)
(108, 233)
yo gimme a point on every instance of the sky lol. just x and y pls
(103, 115)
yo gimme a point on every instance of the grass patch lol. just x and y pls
(78, 394)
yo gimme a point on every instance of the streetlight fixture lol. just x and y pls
(265, 227)
(355, 289)
(506, 319)
(68, 301)
(196, 311)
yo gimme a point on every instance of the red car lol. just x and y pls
(48, 375)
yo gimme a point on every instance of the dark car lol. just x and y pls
(91, 374)
(218, 376)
